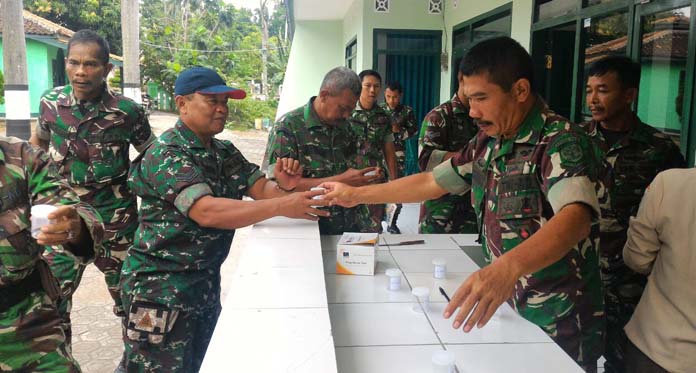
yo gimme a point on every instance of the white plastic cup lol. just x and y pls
(394, 279)
(39, 217)
(440, 269)
(422, 295)
(443, 362)
(321, 196)
(371, 173)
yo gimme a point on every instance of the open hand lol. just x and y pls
(481, 295)
(339, 194)
(301, 205)
(65, 227)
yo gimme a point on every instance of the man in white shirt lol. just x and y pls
(662, 242)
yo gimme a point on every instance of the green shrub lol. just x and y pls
(2, 89)
(244, 112)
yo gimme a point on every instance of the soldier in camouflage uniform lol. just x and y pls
(446, 130)
(372, 128)
(319, 136)
(634, 154)
(31, 338)
(533, 179)
(191, 186)
(87, 129)
(404, 127)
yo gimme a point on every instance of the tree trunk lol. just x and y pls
(264, 48)
(130, 31)
(18, 109)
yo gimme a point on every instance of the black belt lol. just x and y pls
(16, 292)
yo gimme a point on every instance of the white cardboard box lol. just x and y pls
(355, 254)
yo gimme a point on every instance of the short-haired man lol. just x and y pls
(191, 185)
(403, 127)
(447, 129)
(31, 336)
(319, 136)
(533, 187)
(371, 126)
(88, 130)
(634, 153)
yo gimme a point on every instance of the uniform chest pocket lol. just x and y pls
(17, 248)
(519, 197)
(108, 150)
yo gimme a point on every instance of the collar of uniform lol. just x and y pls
(106, 101)
(385, 107)
(189, 137)
(458, 106)
(310, 115)
(637, 132)
(533, 124)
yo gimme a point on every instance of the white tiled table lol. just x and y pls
(288, 311)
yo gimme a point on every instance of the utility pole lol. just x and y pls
(264, 48)
(130, 30)
(18, 110)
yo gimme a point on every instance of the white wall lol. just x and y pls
(315, 50)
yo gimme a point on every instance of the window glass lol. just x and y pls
(546, 9)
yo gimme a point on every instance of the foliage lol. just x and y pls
(2, 89)
(177, 34)
(244, 112)
(102, 16)
(115, 80)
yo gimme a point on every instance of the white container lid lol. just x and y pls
(439, 261)
(393, 272)
(420, 291)
(42, 210)
(443, 358)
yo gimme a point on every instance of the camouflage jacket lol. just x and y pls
(323, 151)
(518, 185)
(404, 119)
(630, 166)
(174, 261)
(446, 128)
(89, 142)
(27, 178)
(372, 129)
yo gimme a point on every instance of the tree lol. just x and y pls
(2, 89)
(102, 16)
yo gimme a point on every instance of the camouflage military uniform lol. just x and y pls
(405, 119)
(631, 165)
(89, 143)
(31, 338)
(446, 128)
(171, 275)
(323, 151)
(518, 185)
(372, 129)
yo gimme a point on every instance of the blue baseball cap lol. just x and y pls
(204, 81)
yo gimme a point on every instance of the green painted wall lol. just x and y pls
(659, 86)
(316, 49)
(39, 72)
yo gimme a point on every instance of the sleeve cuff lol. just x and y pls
(95, 227)
(254, 177)
(578, 189)
(450, 178)
(187, 197)
(41, 133)
(436, 157)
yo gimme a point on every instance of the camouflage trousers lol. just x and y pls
(355, 219)
(69, 269)
(31, 338)
(622, 291)
(581, 339)
(179, 346)
(448, 214)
